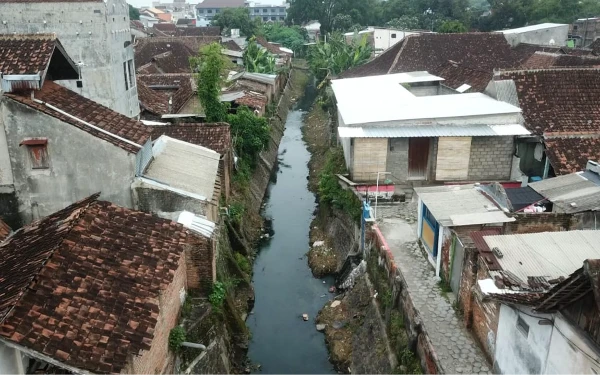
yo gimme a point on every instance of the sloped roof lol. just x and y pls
(540, 60)
(377, 66)
(5, 230)
(151, 100)
(83, 284)
(456, 74)
(571, 154)
(199, 31)
(32, 54)
(216, 137)
(169, 54)
(221, 4)
(88, 111)
(558, 101)
(155, 99)
(575, 192)
(231, 45)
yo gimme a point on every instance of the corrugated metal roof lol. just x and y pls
(197, 223)
(547, 254)
(384, 99)
(231, 96)
(570, 193)
(184, 166)
(457, 205)
(432, 131)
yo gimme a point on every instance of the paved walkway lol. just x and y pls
(457, 351)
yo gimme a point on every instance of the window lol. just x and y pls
(201, 11)
(273, 18)
(522, 326)
(209, 11)
(265, 10)
(272, 10)
(265, 19)
(37, 148)
(393, 36)
(126, 80)
(282, 18)
(256, 10)
(217, 10)
(131, 70)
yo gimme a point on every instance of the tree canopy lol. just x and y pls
(292, 37)
(257, 59)
(210, 66)
(134, 13)
(236, 18)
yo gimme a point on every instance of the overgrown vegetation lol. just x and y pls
(331, 58)
(292, 37)
(236, 18)
(330, 191)
(258, 59)
(218, 294)
(243, 263)
(210, 65)
(176, 338)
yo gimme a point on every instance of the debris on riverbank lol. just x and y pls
(322, 261)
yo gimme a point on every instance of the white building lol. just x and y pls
(96, 35)
(380, 38)
(544, 34)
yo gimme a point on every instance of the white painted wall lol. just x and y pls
(11, 361)
(385, 38)
(567, 348)
(552, 35)
(94, 33)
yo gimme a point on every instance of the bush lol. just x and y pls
(243, 263)
(330, 190)
(236, 211)
(250, 134)
(217, 296)
(176, 338)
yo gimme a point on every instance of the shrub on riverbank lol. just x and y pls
(330, 191)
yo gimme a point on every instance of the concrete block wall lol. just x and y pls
(491, 158)
(433, 159)
(540, 222)
(397, 159)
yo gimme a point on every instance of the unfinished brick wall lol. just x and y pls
(485, 314)
(540, 222)
(469, 277)
(159, 359)
(491, 158)
(200, 262)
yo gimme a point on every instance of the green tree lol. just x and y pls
(292, 37)
(258, 59)
(336, 56)
(452, 26)
(250, 134)
(134, 13)
(342, 22)
(404, 23)
(210, 66)
(236, 18)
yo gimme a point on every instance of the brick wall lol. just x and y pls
(462, 232)
(491, 158)
(469, 277)
(540, 222)
(485, 314)
(200, 262)
(433, 159)
(159, 359)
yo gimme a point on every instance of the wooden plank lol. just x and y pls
(453, 158)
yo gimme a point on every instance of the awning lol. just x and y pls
(433, 131)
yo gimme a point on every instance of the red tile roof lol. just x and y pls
(83, 284)
(456, 74)
(5, 230)
(26, 54)
(558, 101)
(180, 89)
(169, 54)
(150, 100)
(378, 66)
(540, 60)
(199, 31)
(571, 154)
(89, 111)
(231, 45)
(216, 137)
(252, 100)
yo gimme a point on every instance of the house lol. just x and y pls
(96, 288)
(148, 21)
(175, 176)
(585, 31)
(164, 55)
(547, 315)
(442, 209)
(416, 135)
(160, 14)
(269, 85)
(96, 37)
(379, 38)
(164, 94)
(45, 127)
(169, 29)
(207, 9)
(267, 12)
(216, 137)
(543, 34)
(560, 109)
(313, 29)
(282, 54)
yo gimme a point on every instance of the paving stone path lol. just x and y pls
(455, 347)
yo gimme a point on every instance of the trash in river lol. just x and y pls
(324, 281)
(335, 303)
(305, 317)
(318, 243)
(324, 295)
(332, 289)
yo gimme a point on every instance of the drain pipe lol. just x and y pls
(193, 345)
(84, 122)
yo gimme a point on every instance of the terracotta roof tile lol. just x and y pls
(216, 137)
(151, 100)
(571, 154)
(378, 66)
(89, 111)
(540, 60)
(556, 101)
(5, 230)
(84, 283)
(231, 45)
(169, 54)
(181, 89)
(26, 54)
(199, 31)
(252, 100)
(456, 74)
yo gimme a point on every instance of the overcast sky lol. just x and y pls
(141, 3)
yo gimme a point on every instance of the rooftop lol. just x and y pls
(547, 255)
(458, 205)
(154, 91)
(170, 54)
(576, 192)
(184, 166)
(526, 29)
(542, 60)
(388, 100)
(5, 230)
(570, 154)
(82, 285)
(216, 137)
(221, 4)
(130, 134)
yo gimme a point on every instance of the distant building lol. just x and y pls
(544, 34)
(95, 35)
(268, 12)
(208, 9)
(585, 31)
(379, 38)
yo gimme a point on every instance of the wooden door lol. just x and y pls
(418, 158)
